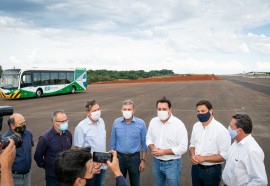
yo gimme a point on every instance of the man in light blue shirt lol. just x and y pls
(128, 138)
(91, 132)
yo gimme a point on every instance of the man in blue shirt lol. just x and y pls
(53, 141)
(91, 132)
(128, 138)
(22, 164)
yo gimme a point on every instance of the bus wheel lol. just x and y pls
(39, 93)
(73, 89)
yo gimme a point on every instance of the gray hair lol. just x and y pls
(54, 114)
(90, 104)
(129, 102)
(243, 121)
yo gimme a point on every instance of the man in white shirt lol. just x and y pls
(91, 132)
(167, 139)
(244, 164)
(209, 145)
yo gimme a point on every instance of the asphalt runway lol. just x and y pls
(228, 96)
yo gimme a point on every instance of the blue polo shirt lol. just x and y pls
(48, 147)
(128, 138)
(23, 158)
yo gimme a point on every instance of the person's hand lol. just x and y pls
(114, 165)
(142, 166)
(158, 152)
(8, 155)
(194, 161)
(200, 159)
(96, 167)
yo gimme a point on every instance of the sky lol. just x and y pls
(186, 36)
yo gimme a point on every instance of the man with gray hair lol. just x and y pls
(91, 132)
(244, 163)
(128, 138)
(55, 140)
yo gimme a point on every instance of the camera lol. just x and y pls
(4, 142)
(102, 157)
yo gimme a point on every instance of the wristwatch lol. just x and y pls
(143, 159)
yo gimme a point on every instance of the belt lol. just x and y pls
(22, 173)
(208, 166)
(166, 160)
(128, 154)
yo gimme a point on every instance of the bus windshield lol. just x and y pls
(10, 81)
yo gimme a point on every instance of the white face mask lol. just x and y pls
(163, 115)
(95, 115)
(127, 114)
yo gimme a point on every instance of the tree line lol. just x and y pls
(110, 75)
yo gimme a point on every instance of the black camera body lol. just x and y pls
(102, 157)
(6, 111)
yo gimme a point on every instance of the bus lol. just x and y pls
(38, 82)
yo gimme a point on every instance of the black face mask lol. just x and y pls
(21, 129)
(204, 117)
(89, 181)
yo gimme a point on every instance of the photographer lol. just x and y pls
(22, 163)
(7, 158)
(75, 168)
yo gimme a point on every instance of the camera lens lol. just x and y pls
(4, 142)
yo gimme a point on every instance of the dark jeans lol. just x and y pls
(50, 181)
(130, 165)
(206, 175)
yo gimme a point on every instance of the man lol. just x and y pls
(244, 165)
(22, 164)
(75, 168)
(7, 157)
(128, 139)
(209, 144)
(167, 139)
(53, 141)
(91, 132)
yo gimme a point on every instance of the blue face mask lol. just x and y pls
(204, 117)
(63, 127)
(232, 132)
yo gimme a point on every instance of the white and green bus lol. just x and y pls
(37, 82)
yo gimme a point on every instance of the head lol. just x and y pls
(92, 110)
(240, 126)
(59, 120)
(17, 123)
(128, 109)
(73, 167)
(204, 111)
(164, 109)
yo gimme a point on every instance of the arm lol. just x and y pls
(143, 159)
(40, 152)
(7, 158)
(113, 138)
(78, 137)
(114, 166)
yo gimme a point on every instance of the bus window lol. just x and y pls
(62, 78)
(45, 78)
(36, 77)
(26, 80)
(70, 77)
(54, 78)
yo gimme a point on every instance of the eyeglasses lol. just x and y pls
(62, 121)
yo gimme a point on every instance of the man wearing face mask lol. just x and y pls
(53, 141)
(22, 164)
(128, 139)
(167, 139)
(91, 132)
(209, 145)
(244, 163)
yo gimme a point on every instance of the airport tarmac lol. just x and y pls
(228, 96)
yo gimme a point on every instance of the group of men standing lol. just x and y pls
(166, 138)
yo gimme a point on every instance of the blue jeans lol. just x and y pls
(169, 171)
(130, 165)
(206, 176)
(99, 179)
(50, 181)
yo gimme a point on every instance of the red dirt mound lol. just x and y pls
(172, 78)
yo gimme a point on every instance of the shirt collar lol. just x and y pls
(90, 122)
(133, 119)
(243, 141)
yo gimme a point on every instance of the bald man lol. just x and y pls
(22, 164)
